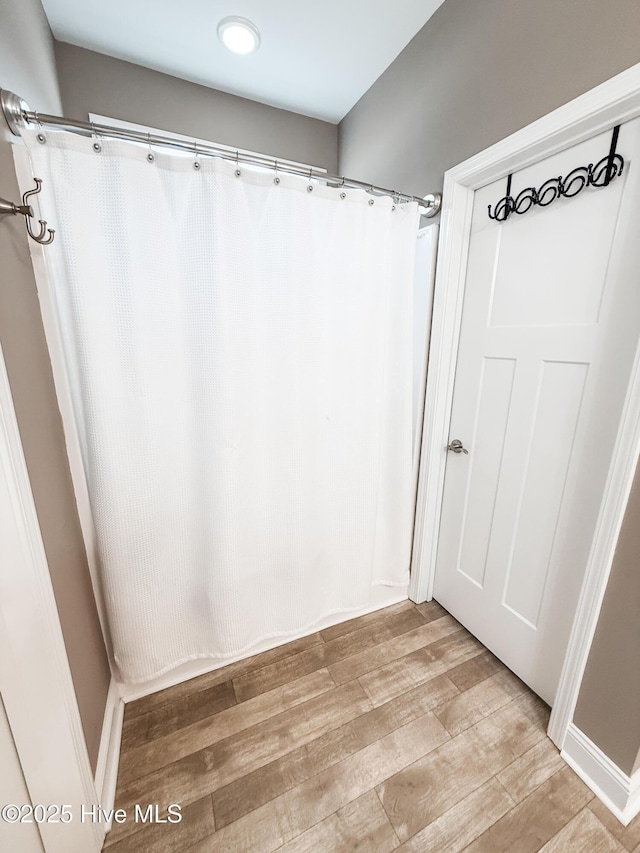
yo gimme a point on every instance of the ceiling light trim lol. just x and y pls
(239, 35)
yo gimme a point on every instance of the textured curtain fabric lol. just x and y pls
(240, 358)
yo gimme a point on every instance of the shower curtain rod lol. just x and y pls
(18, 115)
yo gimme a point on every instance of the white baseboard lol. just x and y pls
(617, 791)
(381, 596)
(109, 752)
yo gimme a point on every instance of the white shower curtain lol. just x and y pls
(239, 351)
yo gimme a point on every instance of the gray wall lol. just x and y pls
(609, 705)
(475, 73)
(92, 82)
(27, 67)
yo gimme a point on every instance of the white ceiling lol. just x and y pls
(316, 58)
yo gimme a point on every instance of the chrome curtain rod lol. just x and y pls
(19, 115)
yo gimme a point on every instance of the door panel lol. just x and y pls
(494, 398)
(554, 424)
(563, 287)
(550, 323)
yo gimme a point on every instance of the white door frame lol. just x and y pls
(35, 679)
(614, 102)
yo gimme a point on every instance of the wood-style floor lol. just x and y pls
(394, 731)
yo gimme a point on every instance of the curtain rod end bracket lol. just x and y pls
(433, 204)
(13, 109)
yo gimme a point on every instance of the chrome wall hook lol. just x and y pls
(8, 208)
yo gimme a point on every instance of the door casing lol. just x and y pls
(613, 102)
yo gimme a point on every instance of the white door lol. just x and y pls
(550, 324)
(43, 756)
(13, 790)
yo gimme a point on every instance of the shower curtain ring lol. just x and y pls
(276, 179)
(40, 135)
(96, 145)
(196, 162)
(150, 156)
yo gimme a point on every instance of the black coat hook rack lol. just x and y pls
(600, 175)
(8, 208)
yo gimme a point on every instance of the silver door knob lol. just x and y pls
(456, 446)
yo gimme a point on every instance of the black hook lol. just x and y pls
(600, 175)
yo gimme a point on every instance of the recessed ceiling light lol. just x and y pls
(239, 35)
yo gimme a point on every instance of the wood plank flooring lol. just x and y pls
(396, 731)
